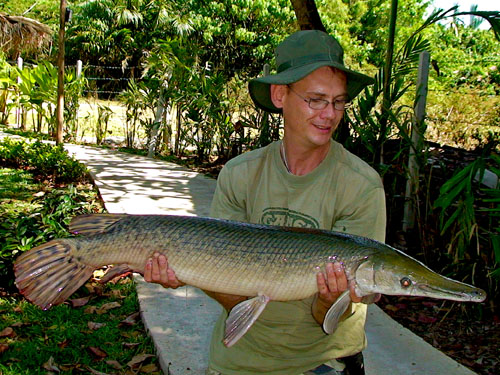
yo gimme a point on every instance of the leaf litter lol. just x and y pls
(38, 326)
(473, 342)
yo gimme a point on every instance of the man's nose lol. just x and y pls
(329, 111)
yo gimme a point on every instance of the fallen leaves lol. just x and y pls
(79, 302)
(8, 332)
(130, 320)
(460, 334)
(97, 353)
(51, 366)
(102, 309)
(95, 326)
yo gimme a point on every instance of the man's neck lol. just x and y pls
(300, 159)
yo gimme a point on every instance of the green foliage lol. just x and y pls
(32, 216)
(135, 100)
(45, 11)
(101, 126)
(469, 220)
(38, 91)
(42, 159)
(7, 83)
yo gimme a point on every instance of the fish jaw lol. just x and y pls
(395, 273)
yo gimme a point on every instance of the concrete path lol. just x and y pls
(180, 321)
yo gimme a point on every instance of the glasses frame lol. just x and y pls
(320, 104)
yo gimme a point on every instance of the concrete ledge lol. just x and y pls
(393, 349)
(180, 322)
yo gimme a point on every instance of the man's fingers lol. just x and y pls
(147, 270)
(162, 269)
(340, 277)
(321, 281)
(332, 276)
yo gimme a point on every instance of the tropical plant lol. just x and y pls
(469, 219)
(7, 83)
(101, 125)
(131, 97)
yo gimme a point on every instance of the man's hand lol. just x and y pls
(330, 286)
(157, 271)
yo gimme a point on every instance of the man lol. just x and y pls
(305, 180)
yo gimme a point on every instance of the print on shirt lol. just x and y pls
(285, 217)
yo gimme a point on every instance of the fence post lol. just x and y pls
(78, 69)
(18, 107)
(78, 76)
(417, 133)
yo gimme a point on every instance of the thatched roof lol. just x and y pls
(21, 34)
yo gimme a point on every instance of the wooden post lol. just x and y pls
(417, 134)
(19, 80)
(60, 74)
(265, 131)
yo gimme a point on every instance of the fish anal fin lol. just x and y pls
(120, 270)
(93, 223)
(242, 317)
(336, 310)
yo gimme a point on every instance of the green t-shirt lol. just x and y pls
(343, 194)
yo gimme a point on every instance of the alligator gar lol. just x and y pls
(262, 262)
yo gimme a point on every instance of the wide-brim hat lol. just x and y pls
(299, 55)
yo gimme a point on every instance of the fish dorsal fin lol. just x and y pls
(335, 312)
(241, 318)
(93, 223)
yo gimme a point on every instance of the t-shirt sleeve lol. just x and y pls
(229, 200)
(366, 216)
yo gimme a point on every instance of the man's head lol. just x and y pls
(299, 55)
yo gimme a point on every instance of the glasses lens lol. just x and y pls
(340, 105)
(318, 103)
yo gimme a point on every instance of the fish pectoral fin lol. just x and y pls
(241, 318)
(113, 272)
(336, 310)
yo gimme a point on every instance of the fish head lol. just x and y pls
(395, 273)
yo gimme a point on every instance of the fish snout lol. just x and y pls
(478, 295)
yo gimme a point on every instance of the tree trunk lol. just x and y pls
(386, 101)
(307, 15)
(60, 75)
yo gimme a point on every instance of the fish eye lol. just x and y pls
(405, 282)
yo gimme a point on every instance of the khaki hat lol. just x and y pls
(299, 55)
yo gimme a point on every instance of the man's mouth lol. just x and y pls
(322, 127)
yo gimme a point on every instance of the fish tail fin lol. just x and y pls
(48, 274)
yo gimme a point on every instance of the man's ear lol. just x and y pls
(277, 94)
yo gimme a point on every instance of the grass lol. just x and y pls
(86, 338)
(99, 332)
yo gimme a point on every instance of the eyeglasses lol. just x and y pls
(338, 104)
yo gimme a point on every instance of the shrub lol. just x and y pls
(43, 160)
